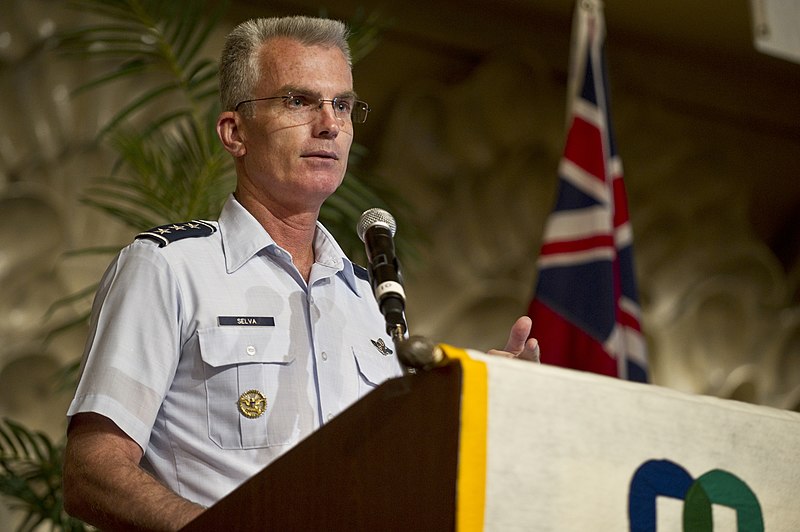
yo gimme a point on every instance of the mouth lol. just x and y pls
(321, 154)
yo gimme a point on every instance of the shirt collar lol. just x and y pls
(329, 254)
(243, 237)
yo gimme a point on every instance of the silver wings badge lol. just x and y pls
(381, 346)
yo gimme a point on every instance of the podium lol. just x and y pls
(388, 462)
(486, 443)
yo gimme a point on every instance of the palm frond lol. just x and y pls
(113, 9)
(161, 39)
(97, 250)
(75, 322)
(129, 217)
(127, 69)
(30, 475)
(72, 298)
(138, 103)
(181, 174)
(365, 32)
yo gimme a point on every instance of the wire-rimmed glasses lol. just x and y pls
(345, 108)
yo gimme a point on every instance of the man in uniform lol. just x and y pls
(216, 346)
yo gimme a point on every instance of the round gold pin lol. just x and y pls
(252, 404)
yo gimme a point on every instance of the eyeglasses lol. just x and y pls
(345, 108)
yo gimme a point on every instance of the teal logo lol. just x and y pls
(668, 479)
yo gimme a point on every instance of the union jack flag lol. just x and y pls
(585, 308)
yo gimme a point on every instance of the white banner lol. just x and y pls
(567, 450)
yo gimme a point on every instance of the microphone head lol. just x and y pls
(373, 217)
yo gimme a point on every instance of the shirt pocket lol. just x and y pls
(374, 367)
(236, 362)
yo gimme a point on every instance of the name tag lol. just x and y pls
(246, 321)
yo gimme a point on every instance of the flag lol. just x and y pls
(585, 308)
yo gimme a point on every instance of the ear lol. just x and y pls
(231, 134)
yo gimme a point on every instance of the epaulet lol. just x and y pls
(166, 234)
(361, 272)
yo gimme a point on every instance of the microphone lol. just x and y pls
(376, 229)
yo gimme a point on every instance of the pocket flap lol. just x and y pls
(222, 347)
(374, 366)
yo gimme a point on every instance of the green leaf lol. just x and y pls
(68, 300)
(125, 70)
(30, 477)
(138, 103)
(97, 250)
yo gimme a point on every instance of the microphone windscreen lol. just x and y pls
(372, 217)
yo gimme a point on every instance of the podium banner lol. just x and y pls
(543, 448)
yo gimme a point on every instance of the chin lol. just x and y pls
(323, 187)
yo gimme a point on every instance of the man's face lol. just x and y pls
(293, 161)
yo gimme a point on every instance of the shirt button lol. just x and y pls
(324, 355)
(251, 350)
(330, 416)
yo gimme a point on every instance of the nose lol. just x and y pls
(327, 124)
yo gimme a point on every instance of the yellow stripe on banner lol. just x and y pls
(471, 483)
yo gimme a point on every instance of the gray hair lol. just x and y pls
(240, 70)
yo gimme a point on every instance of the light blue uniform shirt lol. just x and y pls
(180, 332)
